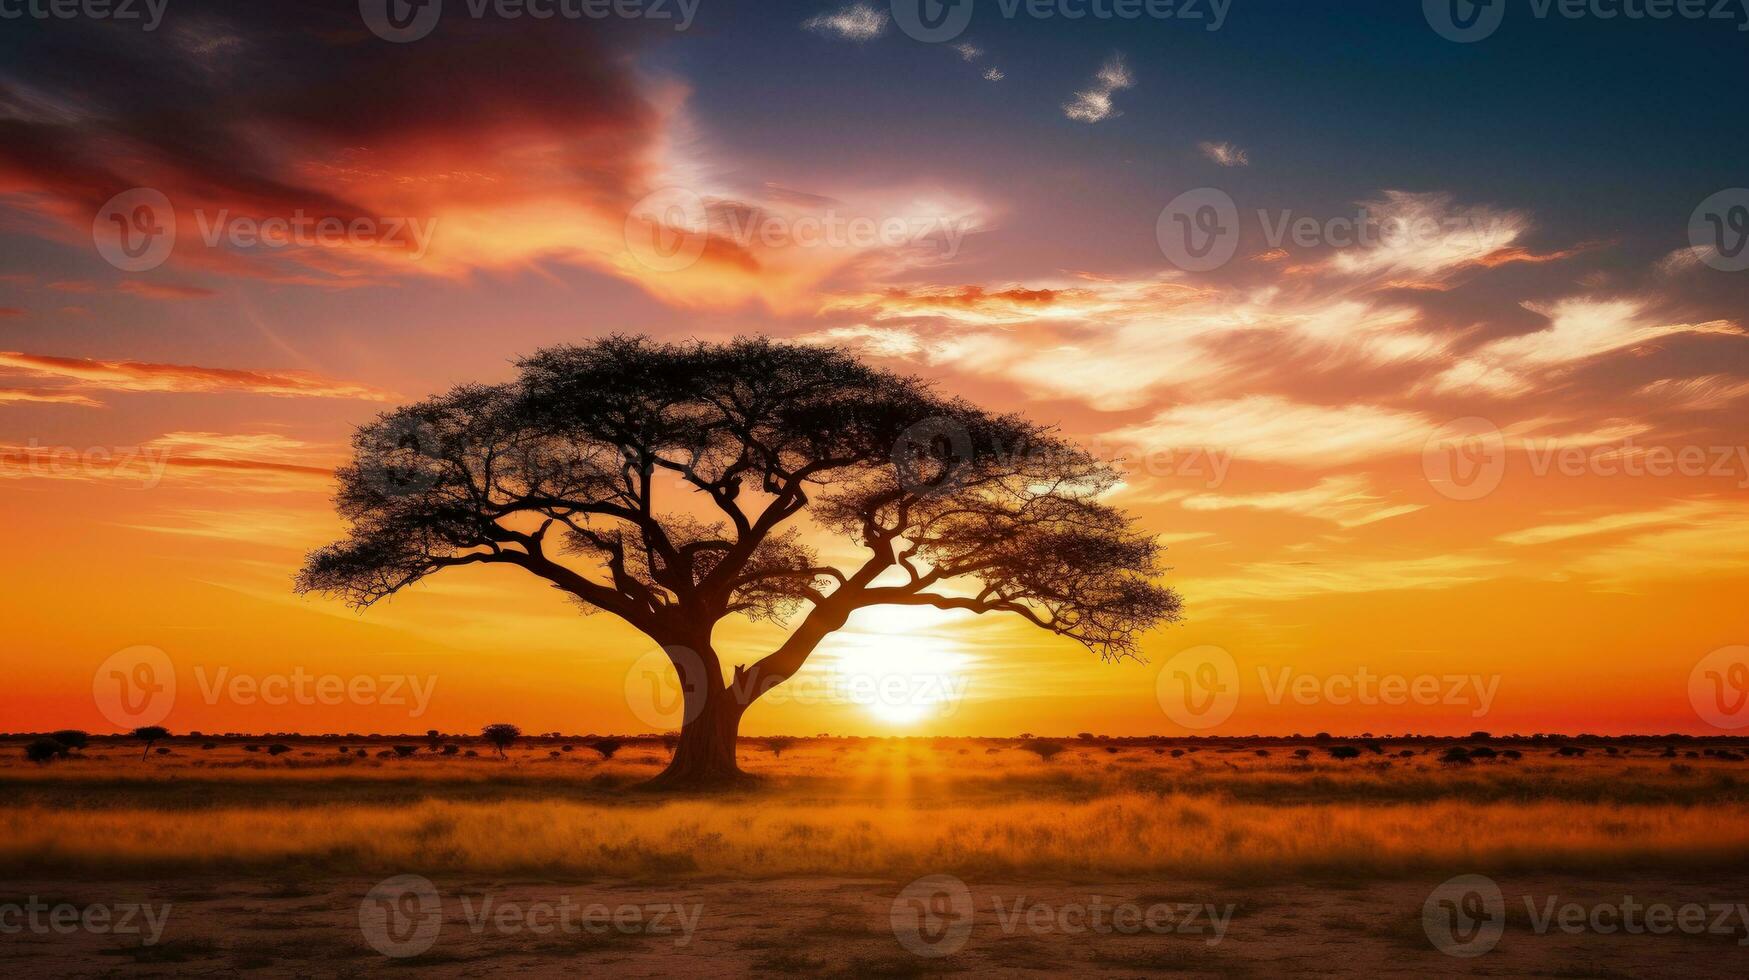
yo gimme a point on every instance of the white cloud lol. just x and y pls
(1422, 234)
(1273, 429)
(1225, 154)
(1091, 105)
(1344, 500)
(856, 22)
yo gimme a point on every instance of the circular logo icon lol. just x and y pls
(1718, 688)
(658, 682)
(400, 21)
(1465, 459)
(1464, 21)
(933, 456)
(1198, 230)
(401, 916)
(1465, 916)
(401, 456)
(932, 21)
(1718, 230)
(667, 229)
(135, 230)
(135, 687)
(1199, 687)
(932, 916)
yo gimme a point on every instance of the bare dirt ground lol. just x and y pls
(837, 927)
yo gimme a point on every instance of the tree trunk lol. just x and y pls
(705, 757)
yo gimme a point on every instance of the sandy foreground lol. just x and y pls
(866, 928)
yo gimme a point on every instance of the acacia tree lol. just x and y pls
(750, 443)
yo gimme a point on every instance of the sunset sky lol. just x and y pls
(167, 435)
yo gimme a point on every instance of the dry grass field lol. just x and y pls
(263, 861)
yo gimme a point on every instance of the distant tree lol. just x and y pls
(1025, 735)
(956, 508)
(1044, 749)
(606, 746)
(501, 736)
(778, 744)
(45, 750)
(433, 739)
(72, 738)
(149, 734)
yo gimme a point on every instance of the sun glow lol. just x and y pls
(896, 669)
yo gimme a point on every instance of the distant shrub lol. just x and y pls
(209, 746)
(252, 748)
(1084, 736)
(1482, 752)
(608, 746)
(385, 754)
(1111, 750)
(1513, 754)
(278, 748)
(566, 748)
(361, 753)
(1570, 751)
(1177, 753)
(778, 744)
(71, 738)
(554, 754)
(1343, 752)
(1457, 755)
(403, 751)
(470, 754)
(161, 750)
(44, 750)
(1264, 753)
(1302, 753)
(1406, 754)
(1045, 750)
(451, 749)
(345, 751)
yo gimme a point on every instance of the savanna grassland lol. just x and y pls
(271, 850)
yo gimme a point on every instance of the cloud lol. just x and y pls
(1687, 512)
(1094, 104)
(1704, 548)
(46, 397)
(1270, 428)
(1225, 154)
(1701, 394)
(138, 376)
(1346, 500)
(1426, 234)
(994, 74)
(856, 22)
(1579, 329)
(1347, 574)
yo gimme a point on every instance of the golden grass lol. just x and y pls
(885, 809)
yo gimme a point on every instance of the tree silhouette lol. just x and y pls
(148, 735)
(72, 738)
(954, 507)
(501, 736)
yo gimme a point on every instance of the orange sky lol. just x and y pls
(1289, 421)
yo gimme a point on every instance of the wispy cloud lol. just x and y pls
(1225, 154)
(1273, 429)
(1094, 104)
(855, 22)
(137, 376)
(1346, 500)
